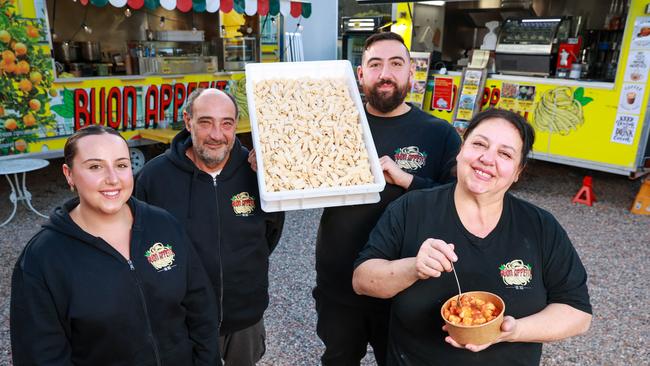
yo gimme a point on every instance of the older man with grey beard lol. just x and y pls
(206, 182)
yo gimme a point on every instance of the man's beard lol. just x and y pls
(208, 156)
(385, 101)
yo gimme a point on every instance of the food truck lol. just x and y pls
(128, 64)
(578, 71)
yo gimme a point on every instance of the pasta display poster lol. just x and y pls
(517, 97)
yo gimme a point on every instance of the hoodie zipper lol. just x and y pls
(221, 284)
(146, 312)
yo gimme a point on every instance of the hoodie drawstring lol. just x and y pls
(195, 176)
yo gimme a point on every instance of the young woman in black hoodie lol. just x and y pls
(110, 280)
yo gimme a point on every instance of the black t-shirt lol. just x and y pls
(422, 145)
(528, 260)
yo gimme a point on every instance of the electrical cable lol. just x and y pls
(284, 53)
(83, 22)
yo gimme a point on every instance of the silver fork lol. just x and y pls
(458, 284)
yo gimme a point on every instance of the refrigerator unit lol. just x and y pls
(355, 30)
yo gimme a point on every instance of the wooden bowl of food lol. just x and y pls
(478, 318)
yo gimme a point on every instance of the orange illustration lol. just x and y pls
(20, 145)
(35, 77)
(32, 32)
(25, 80)
(8, 56)
(35, 104)
(5, 37)
(29, 120)
(25, 85)
(22, 67)
(20, 49)
(10, 124)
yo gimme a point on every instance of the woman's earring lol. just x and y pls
(71, 188)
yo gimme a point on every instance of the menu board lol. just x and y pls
(638, 63)
(442, 97)
(634, 85)
(419, 82)
(641, 33)
(624, 129)
(469, 99)
(517, 98)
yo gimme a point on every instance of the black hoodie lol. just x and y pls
(76, 300)
(223, 217)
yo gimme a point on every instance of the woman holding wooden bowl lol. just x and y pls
(497, 243)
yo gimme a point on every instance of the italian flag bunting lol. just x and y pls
(226, 5)
(184, 5)
(298, 8)
(263, 7)
(135, 4)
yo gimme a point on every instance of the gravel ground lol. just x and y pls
(613, 243)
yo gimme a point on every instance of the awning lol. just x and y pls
(295, 8)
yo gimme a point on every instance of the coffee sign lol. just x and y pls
(631, 98)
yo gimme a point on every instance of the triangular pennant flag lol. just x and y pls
(212, 6)
(184, 5)
(306, 10)
(117, 3)
(239, 6)
(251, 7)
(168, 4)
(274, 7)
(198, 6)
(285, 7)
(263, 7)
(296, 9)
(151, 4)
(135, 4)
(84, 2)
(99, 3)
(226, 5)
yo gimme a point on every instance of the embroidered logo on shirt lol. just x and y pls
(243, 204)
(161, 257)
(410, 158)
(516, 274)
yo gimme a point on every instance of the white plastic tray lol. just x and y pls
(319, 197)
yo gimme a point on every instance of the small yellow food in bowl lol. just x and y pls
(476, 320)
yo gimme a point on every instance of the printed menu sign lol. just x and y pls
(469, 98)
(624, 129)
(472, 82)
(468, 94)
(466, 107)
(443, 94)
(641, 35)
(419, 86)
(631, 98)
(517, 97)
(638, 63)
